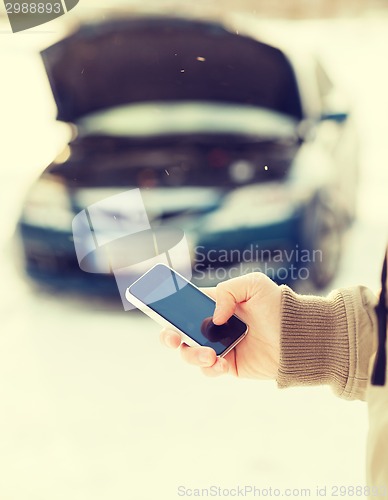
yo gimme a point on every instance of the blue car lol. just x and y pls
(246, 146)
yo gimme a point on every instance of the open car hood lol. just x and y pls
(151, 59)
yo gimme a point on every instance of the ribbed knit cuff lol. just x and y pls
(314, 343)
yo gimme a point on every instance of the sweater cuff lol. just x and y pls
(314, 343)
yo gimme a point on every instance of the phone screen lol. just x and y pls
(186, 307)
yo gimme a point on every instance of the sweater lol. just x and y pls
(332, 340)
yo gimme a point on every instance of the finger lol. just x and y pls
(230, 293)
(220, 367)
(170, 339)
(198, 356)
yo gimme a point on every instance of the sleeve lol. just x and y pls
(328, 340)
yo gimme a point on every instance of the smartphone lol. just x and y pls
(175, 303)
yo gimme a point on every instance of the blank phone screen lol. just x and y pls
(186, 307)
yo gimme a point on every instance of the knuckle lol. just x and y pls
(221, 286)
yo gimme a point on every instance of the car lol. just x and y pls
(246, 145)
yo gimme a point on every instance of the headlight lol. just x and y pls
(256, 205)
(48, 206)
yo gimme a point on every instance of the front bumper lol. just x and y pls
(50, 258)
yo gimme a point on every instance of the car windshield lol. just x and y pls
(151, 119)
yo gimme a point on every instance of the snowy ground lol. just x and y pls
(92, 408)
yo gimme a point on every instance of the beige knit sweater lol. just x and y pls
(332, 341)
(328, 340)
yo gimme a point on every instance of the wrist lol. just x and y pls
(314, 343)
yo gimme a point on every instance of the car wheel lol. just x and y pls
(323, 239)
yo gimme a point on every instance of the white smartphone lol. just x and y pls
(175, 303)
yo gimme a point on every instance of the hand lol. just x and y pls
(256, 299)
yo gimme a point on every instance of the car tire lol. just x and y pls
(323, 239)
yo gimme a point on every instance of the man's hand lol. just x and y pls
(256, 299)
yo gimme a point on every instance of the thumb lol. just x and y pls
(228, 295)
